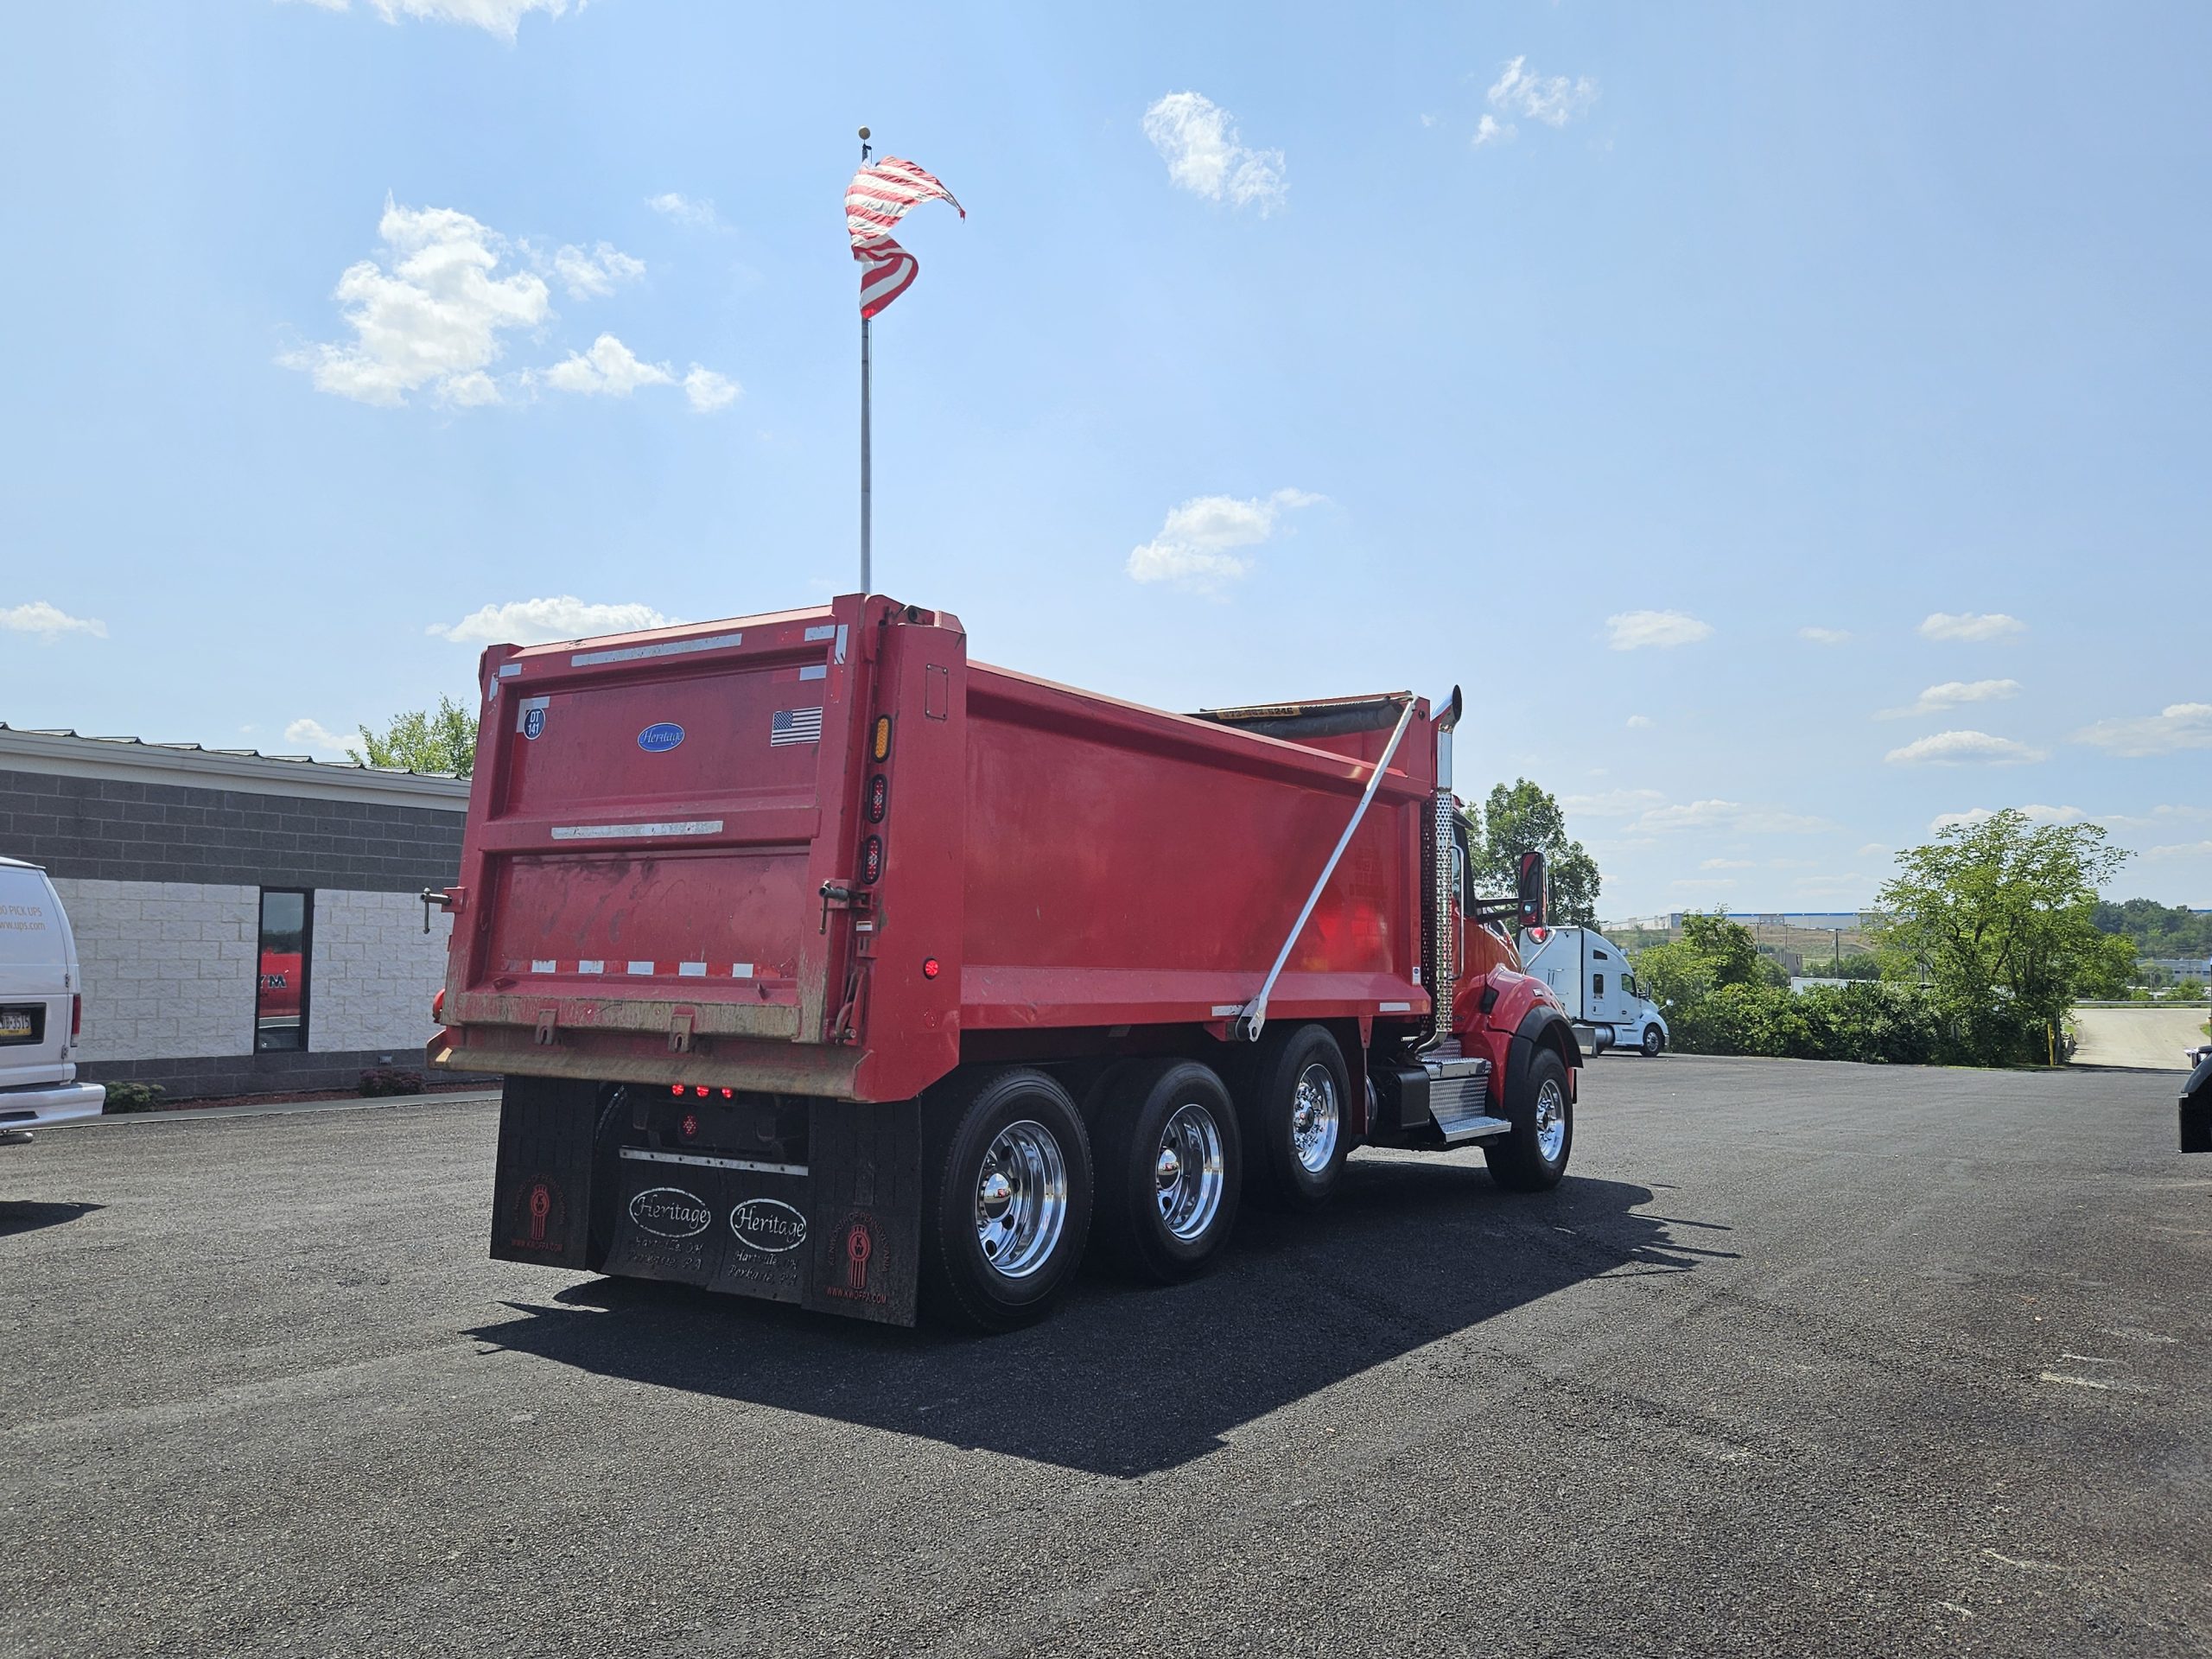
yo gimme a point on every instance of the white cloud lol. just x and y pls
(1489, 131)
(1193, 547)
(1613, 803)
(500, 17)
(1198, 141)
(1632, 630)
(698, 215)
(2034, 814)
(610, 369)
(2186, 849)
(1638, 723)
(1952, 694)
(1970, 626)
(1553, 99)
(48, 622)
(1725, 864)
(539, 622)
(430, 314)
(318, 738)
(709, 391)
(1729, 814)
(2158, 817)
(594, 275)
(1962, 749)
(1824, 636)
(2177, 726)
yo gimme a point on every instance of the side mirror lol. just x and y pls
(1533, 897)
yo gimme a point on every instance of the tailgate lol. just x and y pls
(652, 821)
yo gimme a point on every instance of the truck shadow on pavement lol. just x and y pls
(28, 1215)
(1126, 1381)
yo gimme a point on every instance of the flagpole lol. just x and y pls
(865, 527)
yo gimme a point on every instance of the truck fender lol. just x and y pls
(1542, 1028)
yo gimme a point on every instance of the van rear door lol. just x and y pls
(37, 977)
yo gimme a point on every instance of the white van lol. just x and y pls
(1588, 973)
(41, 1006)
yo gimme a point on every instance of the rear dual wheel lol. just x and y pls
(1171, 1165)
(1009, 1212)
(1295, 1118)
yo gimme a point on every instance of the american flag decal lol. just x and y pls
(795, 726)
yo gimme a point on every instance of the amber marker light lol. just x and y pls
(880, 745)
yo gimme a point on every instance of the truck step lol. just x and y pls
(1459, 1099)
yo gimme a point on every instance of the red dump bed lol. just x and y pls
(686, 861)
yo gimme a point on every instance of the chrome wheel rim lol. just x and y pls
(1651, 1041)
(1551, 1120)
(1313, 1118)
(1188, 1174)
(1021, 1200)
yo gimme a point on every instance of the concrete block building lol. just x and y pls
(244, 923)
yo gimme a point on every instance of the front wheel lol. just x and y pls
(1008, 1208)
(1532, 1158)
(1654, 1041)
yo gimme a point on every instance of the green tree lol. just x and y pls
(443, 740)
(1712, 953)
(1998, 918)
(1518, 818)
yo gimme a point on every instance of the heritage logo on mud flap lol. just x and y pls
(768, 1224)
(671, 1212)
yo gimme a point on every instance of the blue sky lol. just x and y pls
(1788, 422)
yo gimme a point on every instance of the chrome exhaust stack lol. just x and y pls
(1443, 962)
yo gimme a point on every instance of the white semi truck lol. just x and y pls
(1589, 973)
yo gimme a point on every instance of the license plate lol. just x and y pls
(15, 1024)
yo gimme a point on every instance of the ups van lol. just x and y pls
(42, 1007)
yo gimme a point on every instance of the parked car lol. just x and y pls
(2197, 1104)
(42, 1007)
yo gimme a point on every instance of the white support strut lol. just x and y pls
(1247, 1025)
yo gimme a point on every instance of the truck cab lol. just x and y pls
(1590, 975)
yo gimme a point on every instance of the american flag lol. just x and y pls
(795, 726)
(877, 198)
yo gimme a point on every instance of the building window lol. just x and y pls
(279, 1005)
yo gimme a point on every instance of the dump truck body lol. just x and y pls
(738, 901)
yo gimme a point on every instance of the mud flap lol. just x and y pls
(840, 1237)
(541, 1191)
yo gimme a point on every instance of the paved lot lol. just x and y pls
(2148, 1038)
(1801, 1359)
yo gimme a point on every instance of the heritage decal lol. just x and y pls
(768, 1224)
(671, 1212)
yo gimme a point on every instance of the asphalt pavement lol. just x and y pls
(1800, 1359)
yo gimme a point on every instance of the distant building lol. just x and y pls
(1806, 921)
(244, 923)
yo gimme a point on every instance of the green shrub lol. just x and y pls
(133, 1096)
(390, 1080)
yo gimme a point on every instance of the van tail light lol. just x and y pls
(76, 1015)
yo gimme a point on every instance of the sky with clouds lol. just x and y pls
(1787, 423)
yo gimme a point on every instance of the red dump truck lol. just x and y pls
(827, 965)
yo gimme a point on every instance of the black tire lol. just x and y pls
(1268, 1107)
(1135, 1104)
(608, 1133)
(1654, 1042)
(961, 1282)
(1518, 1160)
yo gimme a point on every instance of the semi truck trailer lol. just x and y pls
(827, 965)
(1592, 978)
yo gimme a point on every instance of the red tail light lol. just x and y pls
(77, 1015)
(701, 1091)
(675, 1088)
